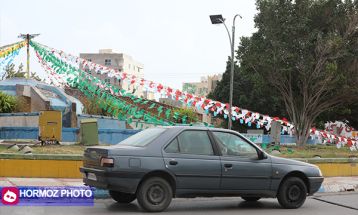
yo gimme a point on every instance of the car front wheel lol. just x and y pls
(154, 194)
(292, 193)
(120, 197)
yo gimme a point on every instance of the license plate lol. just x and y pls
(92, 176)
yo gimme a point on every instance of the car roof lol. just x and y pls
(196, 128)
(180, 127)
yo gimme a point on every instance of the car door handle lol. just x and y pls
(172, 162)
(228, 165)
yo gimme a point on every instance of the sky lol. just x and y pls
(175, 40)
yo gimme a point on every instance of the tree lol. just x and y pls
(7, 103)
(346, 113)
(251, 91)
(307, 50)
(10, 72)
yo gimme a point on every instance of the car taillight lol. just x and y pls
(107, 162)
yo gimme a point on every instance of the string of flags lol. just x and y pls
(209, 106)
(8, 50)
(9, 58)
(201, 103)
(92, 86)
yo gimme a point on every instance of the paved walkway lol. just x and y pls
(339, 184)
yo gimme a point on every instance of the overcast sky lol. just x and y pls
(175, 40)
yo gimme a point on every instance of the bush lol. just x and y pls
(191, 115)
(91, 106)
(7, 103)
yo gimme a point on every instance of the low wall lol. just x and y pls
(332, 167)
(105, 136)
(32, 120)
(114, 136)
(67, 166)
(103, 122)
(284, 139)
(19, 119)
(19, 133)
(40, 166)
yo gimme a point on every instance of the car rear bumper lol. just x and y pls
(314, 184)
(112, 180)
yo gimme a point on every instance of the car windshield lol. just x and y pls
(142, 138)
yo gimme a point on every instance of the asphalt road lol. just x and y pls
(325, 204)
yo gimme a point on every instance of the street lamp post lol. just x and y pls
(218, 19)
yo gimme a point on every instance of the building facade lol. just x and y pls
(121, 62)
(204, 87)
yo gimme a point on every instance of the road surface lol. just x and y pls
(320, 204)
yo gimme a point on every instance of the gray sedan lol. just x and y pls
(157, 164)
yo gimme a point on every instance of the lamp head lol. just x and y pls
(217, 19)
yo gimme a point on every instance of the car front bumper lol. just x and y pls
(314, 184)
(122, 181)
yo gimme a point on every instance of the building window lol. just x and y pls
(107, 62)
(107, 80)
(129, 66)
(89, 59)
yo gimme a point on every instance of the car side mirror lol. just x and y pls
(261, 155)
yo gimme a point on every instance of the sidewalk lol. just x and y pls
(339, 184)
(330, 184)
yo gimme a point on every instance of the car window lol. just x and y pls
(142, 138)
(233, 145)
(173, 147)
(195, 142)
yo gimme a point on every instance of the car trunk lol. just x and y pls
(92, 157)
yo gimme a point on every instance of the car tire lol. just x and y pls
(123, 198)
(292, 193)
(154, 194)
(250, 198)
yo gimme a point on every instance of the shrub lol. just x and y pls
(191, 115)
(7, 103)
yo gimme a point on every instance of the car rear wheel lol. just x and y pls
(154, 194)
(292, 193)
(123, 198)
(250, 199)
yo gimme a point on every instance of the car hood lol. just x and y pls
(278, 160)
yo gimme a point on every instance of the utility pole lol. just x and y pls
(28, 37)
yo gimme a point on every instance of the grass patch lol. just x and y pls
(310, 151)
